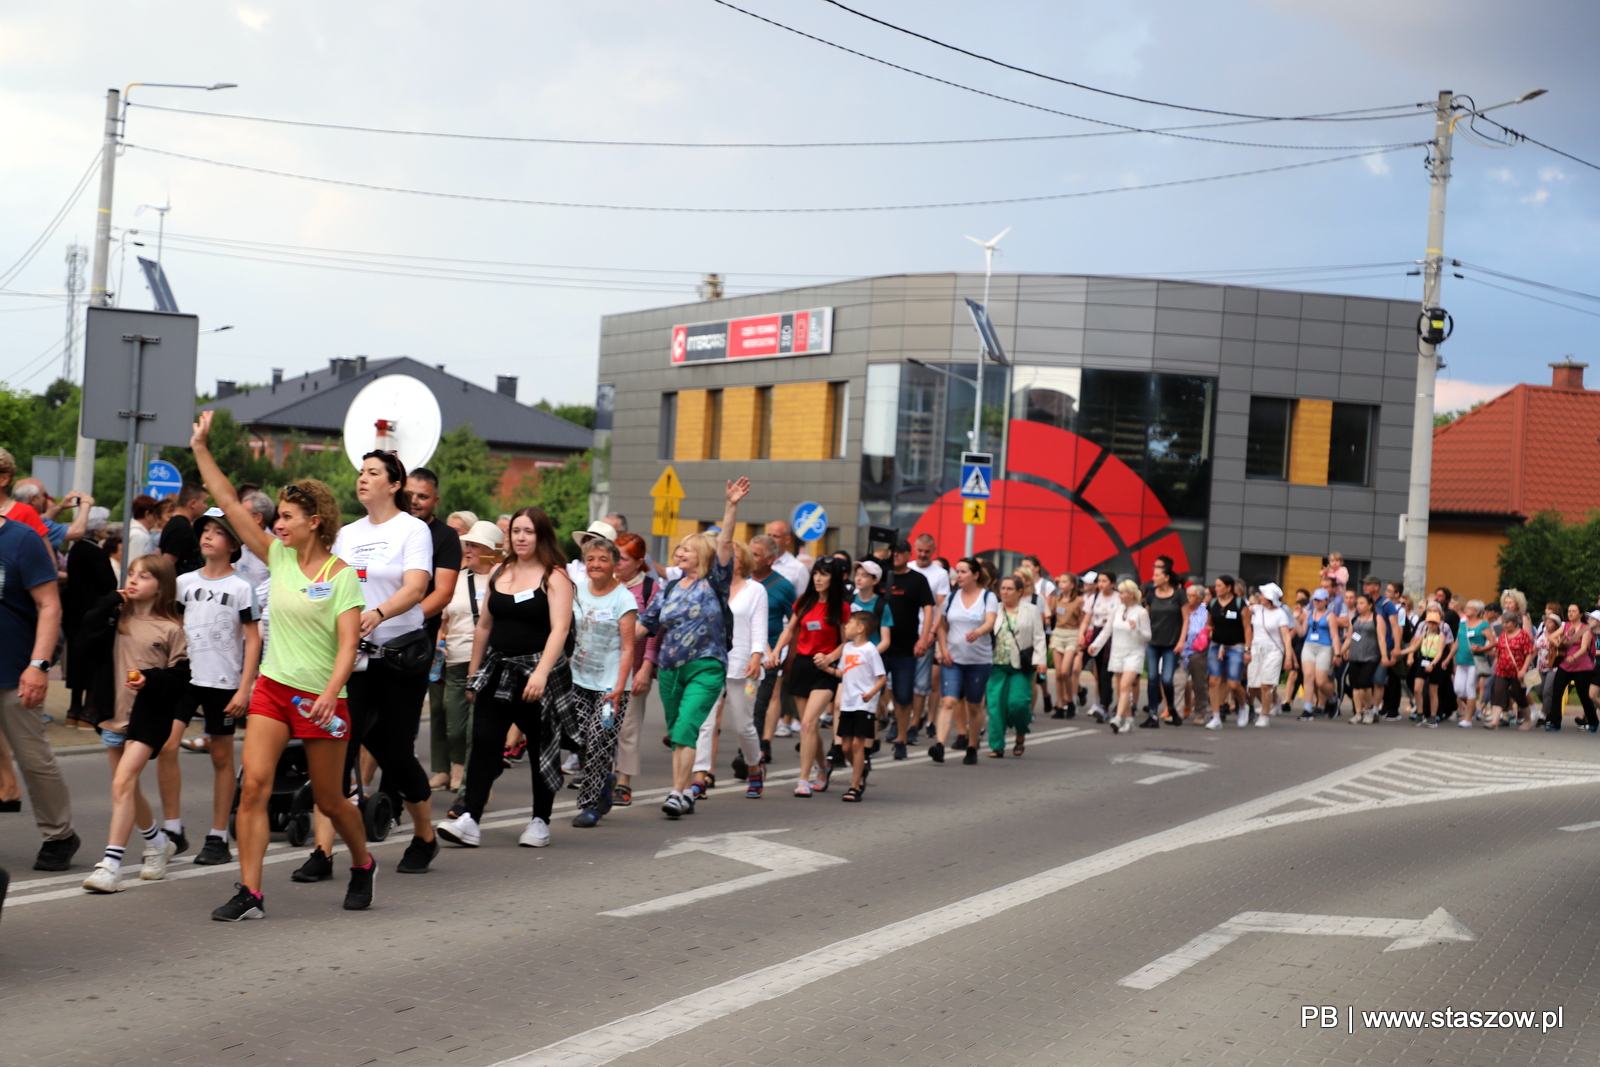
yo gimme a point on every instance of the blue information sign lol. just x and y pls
(809, 521)
(977, 475)
(162, 480)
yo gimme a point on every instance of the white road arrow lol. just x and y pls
(780, 861)
(1436, 929)
(1180, 767)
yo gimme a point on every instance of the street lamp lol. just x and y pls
(83, 473)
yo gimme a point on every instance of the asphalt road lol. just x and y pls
(1155, 898)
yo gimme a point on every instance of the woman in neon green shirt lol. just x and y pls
(316, 606)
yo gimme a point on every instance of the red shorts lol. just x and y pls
(276, 701)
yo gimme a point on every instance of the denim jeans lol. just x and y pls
(1159, 663)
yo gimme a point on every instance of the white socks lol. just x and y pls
(219, 833)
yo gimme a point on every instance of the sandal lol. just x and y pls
(852, 795)
(196, 744)
(1021, 746)
(621, 796)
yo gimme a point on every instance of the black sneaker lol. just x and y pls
(1072, 709)
(971, 758)
(766, 750)
(911, 734)
(936, 752)
(836, 755)
(741, 769)
(57, 855)
(961, 741)
(899, 750)
(180, 841)
(243, 905)
(213, 852)
(418, 855)
(358, 896)
(608, 795)
(1306, 716)
(318, 867)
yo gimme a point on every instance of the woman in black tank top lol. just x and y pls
(520, 677)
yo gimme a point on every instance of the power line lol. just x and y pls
(1530, 296)
(1548, 148)
(772, 210)
(1117, 131)
(1332, 116)
(1528, 281)
(1064, 81)
(49, 230)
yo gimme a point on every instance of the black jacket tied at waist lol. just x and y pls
(502, 677)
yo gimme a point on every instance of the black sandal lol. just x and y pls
(852, 795)
(1020, 747)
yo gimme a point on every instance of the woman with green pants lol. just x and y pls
(692, 657)
(1018, 658)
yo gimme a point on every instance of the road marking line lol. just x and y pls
(280, 852)
(746, 846)
(610, 1041)
(1436, 929)
(1184, 767)
(1576, 827)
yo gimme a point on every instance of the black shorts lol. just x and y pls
(856, 724)
(213, 703)
(805, 677)
(1361, 674)
(152, 724)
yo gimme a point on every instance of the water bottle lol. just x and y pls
(436, 671)
(336, 726)
(608, 715)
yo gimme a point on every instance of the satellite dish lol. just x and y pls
(395, 412)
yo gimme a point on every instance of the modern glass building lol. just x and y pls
(1238, 430)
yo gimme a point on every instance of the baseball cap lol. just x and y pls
(214, 515)
(902, 546)
(598, 528)
(1089, 577)
(872, 568)
(1319, 594)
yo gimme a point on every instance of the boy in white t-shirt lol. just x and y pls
(220, 620)
(862, 678)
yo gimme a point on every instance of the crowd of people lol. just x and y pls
(326, 640)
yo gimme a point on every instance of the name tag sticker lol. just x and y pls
(1232, 615)
(319, 590)
(603, 615)
(813, 625)
(1355, 637)
(526, 594)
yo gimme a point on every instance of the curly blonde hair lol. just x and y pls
(318, 502)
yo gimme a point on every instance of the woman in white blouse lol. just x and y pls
(1018, 659)
(1128, 633)
(747, 600)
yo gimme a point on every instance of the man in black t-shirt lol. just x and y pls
(178, 542)
(911, 600)
(423, 485)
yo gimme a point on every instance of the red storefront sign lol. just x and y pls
(797, 333)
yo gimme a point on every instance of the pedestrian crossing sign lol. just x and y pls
(977, 470)
(974, 512)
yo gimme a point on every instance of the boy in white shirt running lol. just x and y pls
(862, 678)
(221, 622)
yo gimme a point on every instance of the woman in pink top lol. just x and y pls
(633, 576)
(1575, 667)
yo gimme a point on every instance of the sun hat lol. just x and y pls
(484, 534)
(598, 528)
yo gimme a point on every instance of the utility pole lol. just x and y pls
(977, 400)
(83, 468)
(1417, 503)
(76, 255)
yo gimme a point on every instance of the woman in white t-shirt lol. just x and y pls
(966, 649)
(1124, 637)
(747, 599)
(606, 618)
(391, 552)
(1098, 604)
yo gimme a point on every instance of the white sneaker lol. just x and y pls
(462, 831)
(1261, 721)
(537, 835)
(1242, 718)
(1465, 724)
(783, 730)
(104, 878)
(572, 764)
(1215, 723)
(155, 861)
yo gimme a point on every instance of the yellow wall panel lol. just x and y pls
(741, 424)
(1300, 572)
(693, 440)
(1308, 442)
(802, 420)
(1466, 560)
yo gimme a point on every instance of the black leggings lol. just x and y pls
(1558, 695)
(1104, 694)
(386, 709)
(491, 719)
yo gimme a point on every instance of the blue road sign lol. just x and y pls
(977, 475)
(809, 522)
(162, 480)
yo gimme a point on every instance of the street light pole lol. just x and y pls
(977, 401)
(1429, 335)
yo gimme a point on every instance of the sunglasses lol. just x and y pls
(297, 492)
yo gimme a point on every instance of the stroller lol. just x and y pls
(290, 806)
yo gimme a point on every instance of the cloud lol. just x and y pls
(1537, 197)
(1452, 395)
(1376, 164)
(1552, 174)
(252, 17)
(1502, 174)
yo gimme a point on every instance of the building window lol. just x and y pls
(714, 414)
(1350, 444)
(764, 422)
(839, 402)
(1256, 570)
(667, 431)
(1266, 452)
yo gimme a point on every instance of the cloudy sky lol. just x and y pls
(305, 270)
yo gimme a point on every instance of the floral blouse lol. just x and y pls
(688, 619)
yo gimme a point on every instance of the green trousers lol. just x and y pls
(1010, 703)
(688, 693)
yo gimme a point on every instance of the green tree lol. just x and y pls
(327, 464)
(563, 492)
(469, 478)
(230, 444)
(582, 414)
(1552, 560)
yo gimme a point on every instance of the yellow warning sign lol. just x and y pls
(667, 492)
(667, 486)
(973, 512)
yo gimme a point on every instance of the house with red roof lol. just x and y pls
(1534, 448)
